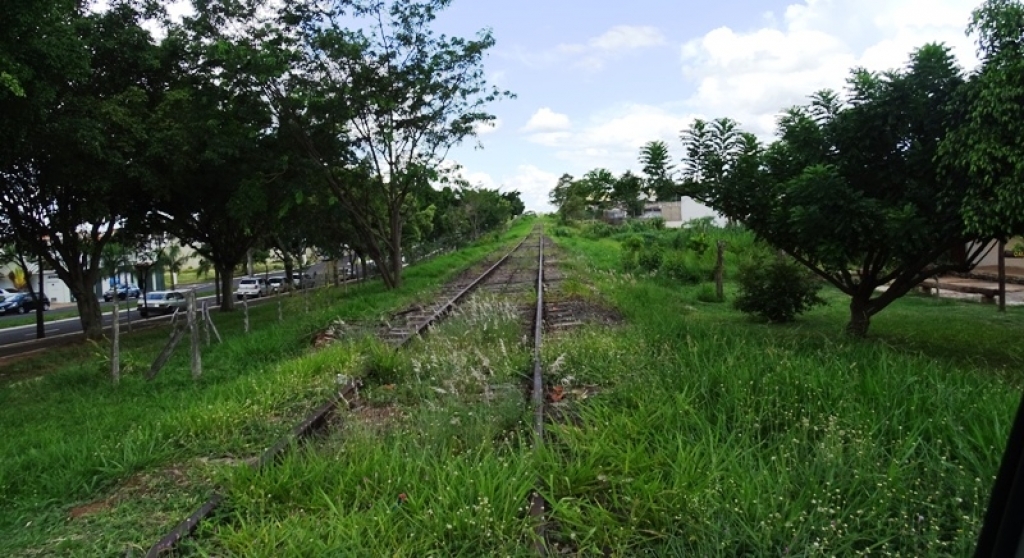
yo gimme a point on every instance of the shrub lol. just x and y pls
(776, 288)
(561, 231)
(650, 258)
(629, 260)
(707, 293)
(633, 243)
(598, 230)
(683, 267)
(698, 242)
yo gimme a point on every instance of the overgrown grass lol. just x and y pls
(689, 430)
(714, 435)
(439, 463)
(73, 439)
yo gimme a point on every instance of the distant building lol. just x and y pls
(677, 212)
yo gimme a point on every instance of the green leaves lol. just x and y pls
(851, 188)
(986, 149)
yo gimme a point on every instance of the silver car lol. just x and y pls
(162, 302)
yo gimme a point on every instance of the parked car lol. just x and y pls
(21, 303)
(301, 280)
(162, 302)
(251, 287)
(122, 292)
(275, 284)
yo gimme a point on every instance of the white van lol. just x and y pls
(251, 287)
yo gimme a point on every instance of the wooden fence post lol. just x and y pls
(115, 345)
(193, 325)
(245, 307)
(213, 326)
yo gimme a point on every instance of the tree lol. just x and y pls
(850, 190)
(658, 171)
(515, 202)
(626, 191)
(379, 106)
(173, 259)
(569, 197)
(77, 91)
(218, 159)
(986, 149)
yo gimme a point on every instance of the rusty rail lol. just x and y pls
(313, 422)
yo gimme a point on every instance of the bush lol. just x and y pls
(597, 230)
(629, 260)
(707, 293)
(776, 288)
(650, 258)
(683, 267)
(564, 232)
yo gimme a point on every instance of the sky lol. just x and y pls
(596, 79)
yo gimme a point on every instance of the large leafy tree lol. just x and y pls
(987, 148)
(218, 160)
(850, 189)
(378, 104)
(76, 91)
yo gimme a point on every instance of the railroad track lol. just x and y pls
(513, 272)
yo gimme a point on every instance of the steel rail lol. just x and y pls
(452, 302)
(313, 422)
(538, 507)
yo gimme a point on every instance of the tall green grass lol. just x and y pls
(72, 439)
(439, 463)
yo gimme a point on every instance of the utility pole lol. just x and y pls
(40, 328)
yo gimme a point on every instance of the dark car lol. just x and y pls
(122, 292)
(21, 303)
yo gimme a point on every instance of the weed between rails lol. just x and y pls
(438, 460)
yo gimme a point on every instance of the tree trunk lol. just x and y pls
(227, 299)
(395, 247)
(289, 266)
(90, 313)
(362, 266)
(860, 316)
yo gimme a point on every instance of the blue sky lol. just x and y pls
(597, 79)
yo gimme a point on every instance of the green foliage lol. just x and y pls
(684, 267)
(851, 188)
(598, 229)
(658, 171)
(650, 258)
(776, 288)
(706, 293)
(562, 231)
(984, 149)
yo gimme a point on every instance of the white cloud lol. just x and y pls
(547, 120)
(484, 128)
(596, 51)
(531, 182)
(752, 76)
(624, 37)
(613, 139)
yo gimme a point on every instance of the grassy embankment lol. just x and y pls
(709, 434)
(93, 469)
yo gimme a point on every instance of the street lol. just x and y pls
(24, 335)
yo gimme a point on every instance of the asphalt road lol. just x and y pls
(20, 338)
